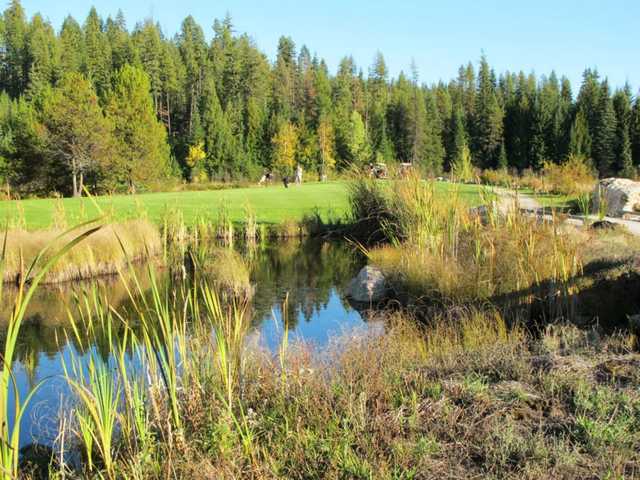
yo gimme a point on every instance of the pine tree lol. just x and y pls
(15, 64)
(634, 131)
(193, 50)
(284, 82)
(378, 104)
(433, 151)
(148, 43)
(43, 53)
(97, 62)
(462, 167)
(222, 151)
(458, 136)
(604, 139)
(79, 139)
(622, 108)
(143, 152)
(122, 51)
(580, 139)
(72, 48)
(488, 117)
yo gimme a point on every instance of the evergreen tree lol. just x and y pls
(143, 152)
(604, 138)
(122, 51)
(488, 117)
(378, 104)
(580, 138)
(78, 137)
(622, 108)
(433, 151)
(97, 61)
(222, 151)
(43, 54)
(15, 63)
(72, 48)
(284, 82)
(634, 131)
(193, 51)
(458, 136)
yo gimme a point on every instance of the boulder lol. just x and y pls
(369, 286)
(622, 196)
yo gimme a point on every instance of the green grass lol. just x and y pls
(271, 205)
(551, 200)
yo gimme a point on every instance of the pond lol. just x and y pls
(311, 275)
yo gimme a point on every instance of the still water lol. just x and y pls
(312, 275)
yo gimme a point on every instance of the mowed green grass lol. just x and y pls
(273, 204)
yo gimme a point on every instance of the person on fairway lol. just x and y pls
(299, 175)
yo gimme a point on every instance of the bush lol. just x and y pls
(501, 177)
(572, 177)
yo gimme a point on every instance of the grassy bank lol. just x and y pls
(104, 252)
(270, 205)
(465, 397)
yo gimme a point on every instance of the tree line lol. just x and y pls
(98, 106)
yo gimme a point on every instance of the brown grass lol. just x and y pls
(101, 254)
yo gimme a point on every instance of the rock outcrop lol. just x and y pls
(621, 196)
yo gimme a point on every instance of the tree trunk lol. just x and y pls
(74, 175)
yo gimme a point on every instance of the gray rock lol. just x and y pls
(369, 286)
(622, 196)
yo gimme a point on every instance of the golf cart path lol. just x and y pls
(510, 199)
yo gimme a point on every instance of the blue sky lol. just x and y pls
(565, 35)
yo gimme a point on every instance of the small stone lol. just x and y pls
(369, 286)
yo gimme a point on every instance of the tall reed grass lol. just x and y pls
(101, 254)
(440, 250)
(40, 265)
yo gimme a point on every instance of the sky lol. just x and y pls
(562, 35)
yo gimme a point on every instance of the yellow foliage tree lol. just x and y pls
(285, 144)
(194, 159)
(326, 141)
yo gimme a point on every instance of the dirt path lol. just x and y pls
(509, 199)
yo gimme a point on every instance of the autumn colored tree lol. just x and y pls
(285, 144)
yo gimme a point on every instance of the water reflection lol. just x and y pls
(311, 274)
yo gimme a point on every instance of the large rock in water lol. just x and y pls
(369, 286)
(622, 197)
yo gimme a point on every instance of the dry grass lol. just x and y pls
(441, 251)
(104, 252)
(463, 398)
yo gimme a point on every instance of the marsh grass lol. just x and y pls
(464, 395)
(101, 254)
(38, 268)
(439, 250)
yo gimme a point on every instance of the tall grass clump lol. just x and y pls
(369, 210)
(11, 418)
(101, 254)
(441, 251)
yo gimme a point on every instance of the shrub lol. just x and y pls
(500, 177)
(572, 177)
